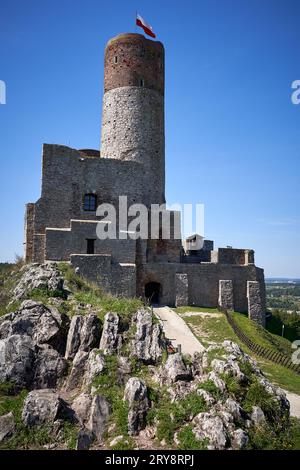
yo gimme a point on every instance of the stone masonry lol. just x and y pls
(62, 224)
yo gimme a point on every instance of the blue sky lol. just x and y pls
(232, 132)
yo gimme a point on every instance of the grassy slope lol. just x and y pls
(210, 329)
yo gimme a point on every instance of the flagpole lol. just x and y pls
(135, 29)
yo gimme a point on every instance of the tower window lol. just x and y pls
(90, 202)
(142, 82)
(116, 59)
(90, 246)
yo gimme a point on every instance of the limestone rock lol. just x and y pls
(257, 415)
(136, 396)
(116, 441)
(149, 343)
(211, 427)
(44, 276)
(208, 398)
(17, 355)
(99, 414)
(94, 366)
(84, 334)
(109, 339)
(50, 367)
(219, 383)
(7, 426)
(81, 407)
(239, 439)
(84, 439)
(73, 340)
(41, 407)
(234, 408)
(78, 371)
(176, 369)
(42, 324)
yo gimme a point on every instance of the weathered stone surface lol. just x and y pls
(17, 355)
(44, 276)
(90, 332)
(239, 439)
(50, 367)
(226, 294)
(257, 415)
(182, 290)
(208, 398)
(84, 439)
(94, 367)
(7, 426)
(78, 370)
(41, 407)
(256, 302)
(43, 324)
(219, 383)
(149, 343)
(99, 413)
(84, 334)
(82, 406)
(109, 339)
(234, 408)
(136, 396)
(176, 369)
(73, 340)
(211, 427)
(228, 367)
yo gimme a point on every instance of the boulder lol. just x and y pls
(73, 340)
(211, 427)
(219, 383)
(239, 439)
(234, 408)
(50, 367)
(17, 355)
(257, 415)
(136, 396)
(110, 340)
(207, 397)
(41, 407)
(84, 334)
(176, 369)
(7, 426)
(43, 324)
(99, 414)
(94, 366)
(149, 342)
(84, 439)
(44, 276)
(81, 407)
(78, 371)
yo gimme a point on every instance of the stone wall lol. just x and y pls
(182, 290)
(226, 294)
(256, 302)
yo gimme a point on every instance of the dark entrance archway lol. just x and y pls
(153, 292)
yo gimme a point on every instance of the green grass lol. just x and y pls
(195, 309)
(9, 275)
(218, 329)
(188, 440)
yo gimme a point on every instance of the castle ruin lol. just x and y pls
(61, 225)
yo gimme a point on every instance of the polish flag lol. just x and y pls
(146, 27)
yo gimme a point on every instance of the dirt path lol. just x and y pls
(295, 403)
(177, 331)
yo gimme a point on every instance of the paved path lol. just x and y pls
(294, 402)
(177, 331)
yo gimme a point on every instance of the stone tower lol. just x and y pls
(133, 107)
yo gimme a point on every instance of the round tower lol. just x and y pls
(133, 106)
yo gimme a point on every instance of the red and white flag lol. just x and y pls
(146, 27)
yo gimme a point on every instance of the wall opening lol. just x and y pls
(90, 202)
(90, 246)
(153, 292)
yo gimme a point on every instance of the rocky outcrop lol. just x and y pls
(17, 356)
(175, 368)
(44, 325)
(110, 339)
(149, 342)
(7, 426)
(49, 368)
(98, 418)
(39, 276)
(41, 407)
(84, 334)
(136, 396)
(211, 428)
